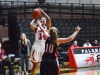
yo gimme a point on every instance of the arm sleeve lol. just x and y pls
(30, 44)
(19, 48)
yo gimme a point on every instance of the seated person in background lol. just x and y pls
(74, 44)
(5, 62)
(87, 44)
(95, 43)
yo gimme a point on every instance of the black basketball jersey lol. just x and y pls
(50, 50)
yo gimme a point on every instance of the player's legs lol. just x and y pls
(33, 71)
(58, 67)
(35, 60)
(44, 67)
(36, 57)
(53, 67)
(49, 67)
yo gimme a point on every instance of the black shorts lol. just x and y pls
(49, 67)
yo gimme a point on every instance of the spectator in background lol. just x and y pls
(4, 62)
(74, 44)
(24, 52)
(95, 43)
(87, 44)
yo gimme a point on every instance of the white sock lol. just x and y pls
(22, 72)
(26, 72)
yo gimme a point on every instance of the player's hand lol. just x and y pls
(0, 60)
(77, 28)
(39, 22)
(30, 59)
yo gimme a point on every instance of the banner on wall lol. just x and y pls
(85, 56)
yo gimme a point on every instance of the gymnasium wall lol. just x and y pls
(90, 29)
(65, 22)
(3, 32)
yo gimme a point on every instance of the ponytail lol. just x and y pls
(53, 35)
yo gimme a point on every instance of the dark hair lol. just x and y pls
(53, 35)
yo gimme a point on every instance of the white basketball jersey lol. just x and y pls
(39, 35)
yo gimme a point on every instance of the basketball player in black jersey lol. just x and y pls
(49, 64)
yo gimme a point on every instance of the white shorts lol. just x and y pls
(38, 50)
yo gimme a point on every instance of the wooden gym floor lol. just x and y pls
(81, 71)
(73, 71)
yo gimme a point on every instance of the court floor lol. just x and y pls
(80, 71)
(73, 71)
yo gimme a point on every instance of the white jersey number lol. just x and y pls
(49, 48)
(41, 36)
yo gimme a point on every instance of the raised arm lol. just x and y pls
(44, 31)
(33, 27)
(48, 19)
(70, 38)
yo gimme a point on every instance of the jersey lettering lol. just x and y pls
(46, 48)
(41, 36)
(49, 48)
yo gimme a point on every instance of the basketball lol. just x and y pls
(36, 13)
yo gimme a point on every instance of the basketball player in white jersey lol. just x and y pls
(39, 43)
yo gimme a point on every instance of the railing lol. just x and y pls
(21, 7)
